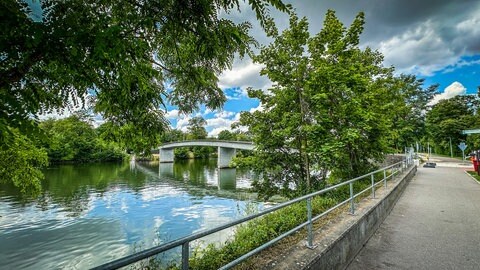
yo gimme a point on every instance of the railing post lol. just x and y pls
(373, 186)
(385, 178)
(185, 255)
(310, 225)
(352, 207)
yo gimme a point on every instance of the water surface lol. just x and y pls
(90, 214)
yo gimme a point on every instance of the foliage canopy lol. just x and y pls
(446, 120)
(129, 57)
(330, 110)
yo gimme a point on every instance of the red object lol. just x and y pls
(476, 163)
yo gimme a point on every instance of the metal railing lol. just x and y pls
(207, 140)
(389, 172)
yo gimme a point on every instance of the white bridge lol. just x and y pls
(226, 149)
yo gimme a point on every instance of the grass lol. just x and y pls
(475, 175)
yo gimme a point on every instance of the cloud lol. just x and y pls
(243, 74)
(172, 114)
(433, 45)
(182, 123)
(258, 108)
(469, 33)
(451, 91)
(218, 122)
(208, 111)
(221, 121)
(461, 63)
(420, 50)
(419, 37)
(216, 131)
(224, 114)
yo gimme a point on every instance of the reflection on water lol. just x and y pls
(227, 179)
(93, 213)
(165, 170)
(204, 173)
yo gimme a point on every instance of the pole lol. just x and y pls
(185, 255)
(451, 151)
(385, 179)
(428, 151)
(309, 227)
(373, 186)
(352, 207)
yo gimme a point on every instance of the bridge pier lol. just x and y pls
(225, 156)
(226, 149)
(166, 155)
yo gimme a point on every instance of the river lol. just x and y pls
(89, 214)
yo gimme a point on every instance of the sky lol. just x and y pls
(435, 40)
(438, 40)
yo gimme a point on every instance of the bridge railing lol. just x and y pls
(389, 172)
(207, 140)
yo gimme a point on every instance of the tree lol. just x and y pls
(21, 164)
(352, 99)
(226, 135)
(408, 125)
(172, 136)
(280, 127)
(448, 118)
(121, 51)
(327, 111)
(70, 139)
(196, 128)
(74, 139)
(129, 57)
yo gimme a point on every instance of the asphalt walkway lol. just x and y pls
(434, 225)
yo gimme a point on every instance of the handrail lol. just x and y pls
(184, 241)
(207, 140)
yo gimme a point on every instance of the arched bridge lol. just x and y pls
(226, 149)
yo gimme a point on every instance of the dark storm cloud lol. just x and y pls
(415, 36)
(404, 30)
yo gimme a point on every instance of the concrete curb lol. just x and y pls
(340, 252)
(473, 178)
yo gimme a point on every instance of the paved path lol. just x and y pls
(449, 162)
(434, 225)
